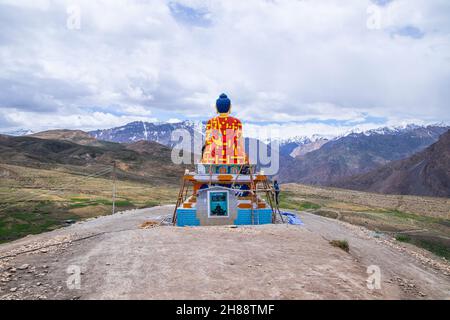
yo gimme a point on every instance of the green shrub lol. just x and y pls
(342, 244)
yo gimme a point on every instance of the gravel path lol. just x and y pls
(119, 259)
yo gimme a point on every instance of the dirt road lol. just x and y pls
(118, 259)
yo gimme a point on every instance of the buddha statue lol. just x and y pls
(224, 140)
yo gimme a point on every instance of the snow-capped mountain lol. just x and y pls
(161, 132)
(146, 131)
(18, 132)
(301, 145)
(391, 130)
(292, 147)
(359, 153)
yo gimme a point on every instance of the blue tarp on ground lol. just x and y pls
(292, 218)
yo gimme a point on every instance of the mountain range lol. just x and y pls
(358, 153)
(426, 173)
(146, 131)
(349, 161)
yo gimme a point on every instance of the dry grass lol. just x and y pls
(149, 224)
(428, 206)
(341, 244)
(38, 200)
(425, 219)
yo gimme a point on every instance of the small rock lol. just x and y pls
(24, 266)
(13, 289)
(422, 294)
(39, 284)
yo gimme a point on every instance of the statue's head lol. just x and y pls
(223, 104)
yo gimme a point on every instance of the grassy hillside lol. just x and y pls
(423, 221)
(150, 161)
(57, 177)
(37, 200)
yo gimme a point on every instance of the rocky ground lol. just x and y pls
(133, 256)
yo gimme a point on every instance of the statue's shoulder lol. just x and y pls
(234, 120)
(220, 120)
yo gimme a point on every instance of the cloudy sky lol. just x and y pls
(300, 66)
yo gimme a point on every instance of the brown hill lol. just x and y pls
(426, 173)
(76, 136)
(155, 163)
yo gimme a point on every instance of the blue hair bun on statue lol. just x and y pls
(223, 104)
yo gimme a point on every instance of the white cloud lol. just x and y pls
(279, 60)
(84, 121)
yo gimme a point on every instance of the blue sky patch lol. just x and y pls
(408, 31)
(190, 16)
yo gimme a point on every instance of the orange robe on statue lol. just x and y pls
(224, 141)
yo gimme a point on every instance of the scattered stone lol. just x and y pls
(39, 284)
(422, 294)
(24, 266)
(13, 289)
